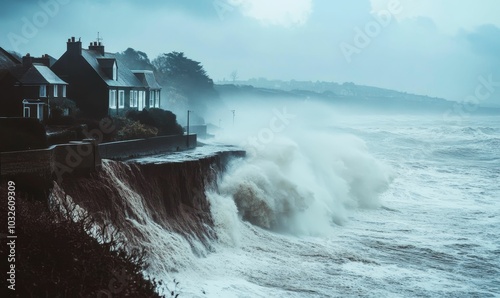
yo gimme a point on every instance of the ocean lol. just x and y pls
(398, 206)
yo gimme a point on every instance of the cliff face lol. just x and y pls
(138, 198)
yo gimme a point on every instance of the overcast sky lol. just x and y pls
(432, 47)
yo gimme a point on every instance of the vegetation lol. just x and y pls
(164, 121)
(62, 112)
(55, 257)
(129, 130)
(22, 134)
(135, 59)
(187, 77)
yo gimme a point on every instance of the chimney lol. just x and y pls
(97, 47)
(27, 60)
(45, 60)
(74, 47)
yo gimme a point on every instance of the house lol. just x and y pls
(28, 88)
(101, 85)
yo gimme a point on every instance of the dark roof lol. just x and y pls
(125, 77)
(7, 60)
(41, 74)
(37, 74)
(147, 77)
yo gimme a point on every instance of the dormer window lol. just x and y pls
(109, 67)
(115, 72)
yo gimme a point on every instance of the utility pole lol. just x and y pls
(187, 133)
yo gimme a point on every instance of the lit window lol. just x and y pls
(112, 99)
(55, 90)
(157, 99)
(43, 91)
(141, 100)
(121, 99)
(64, 91)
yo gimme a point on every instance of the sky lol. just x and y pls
(441, 48)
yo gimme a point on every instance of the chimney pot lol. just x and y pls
(74, 47)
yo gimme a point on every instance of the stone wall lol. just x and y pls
(84, 156)
(76, 156)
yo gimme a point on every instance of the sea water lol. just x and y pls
(369, 206)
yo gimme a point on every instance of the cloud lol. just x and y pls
(450, 16)
(284, 13)
(485, 40)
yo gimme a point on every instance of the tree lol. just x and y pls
(234, 75)
(179, 74)
(135, 59)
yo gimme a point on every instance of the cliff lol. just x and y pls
(133, 197)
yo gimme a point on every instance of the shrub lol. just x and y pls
(164, 121)
(57, 117)
(96, 125)
(21, 134)
(55, 257)
(62, 112)
(134, 130)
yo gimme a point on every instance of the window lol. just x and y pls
(131, 99)
(43, 91)
(121, 99)
(157, 100)
(115, 71)
(141, 100)
(64, 91)
(135, 99)
(112, 99)
(151, 99)
(39, 112)
(55, 90)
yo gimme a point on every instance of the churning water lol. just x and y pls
(374, 207)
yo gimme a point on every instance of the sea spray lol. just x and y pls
(301, 184)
